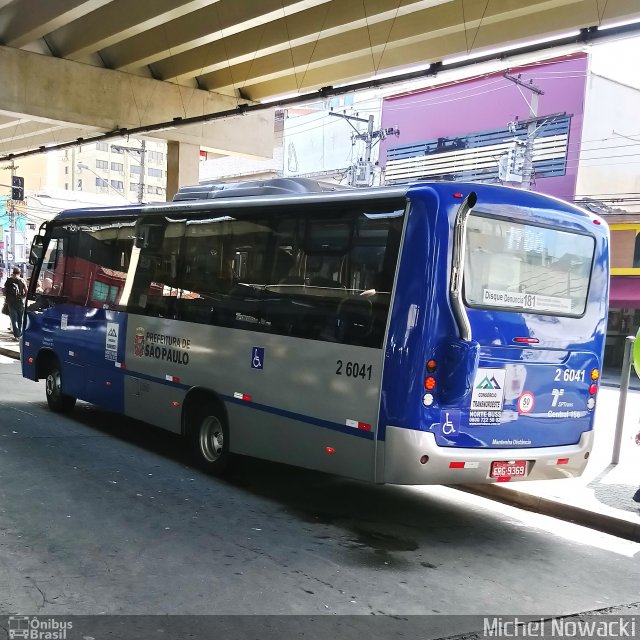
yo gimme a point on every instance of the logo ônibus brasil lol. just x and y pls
(38, 628)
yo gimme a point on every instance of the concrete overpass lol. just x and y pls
(74, 69)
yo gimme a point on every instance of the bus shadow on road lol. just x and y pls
(377, 522)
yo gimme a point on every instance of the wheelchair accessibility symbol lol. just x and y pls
(257, 358)
(449, 421)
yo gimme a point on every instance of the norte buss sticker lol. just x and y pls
(487, 397)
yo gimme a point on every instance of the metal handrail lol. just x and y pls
(457, 266)
(622, 400)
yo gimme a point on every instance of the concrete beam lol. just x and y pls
(118, 21)
(286, 34)
(23, 22)
(80, 95)
(403, 41)
(234, 133)
(199, 29)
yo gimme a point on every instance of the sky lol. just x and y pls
(618, 60)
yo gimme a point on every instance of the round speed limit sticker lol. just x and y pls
(525, 402)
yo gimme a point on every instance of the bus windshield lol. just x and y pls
(518, 267)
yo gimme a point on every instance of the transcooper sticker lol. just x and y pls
(111, 341)
(487, 398)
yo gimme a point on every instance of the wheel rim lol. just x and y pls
(53, 384)
(211, 439)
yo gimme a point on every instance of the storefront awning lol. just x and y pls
(624, 292)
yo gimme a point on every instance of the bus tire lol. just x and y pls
(210, 439)
(58, 401)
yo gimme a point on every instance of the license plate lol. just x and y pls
(510, 469)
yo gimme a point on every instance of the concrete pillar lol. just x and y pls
(183, 166)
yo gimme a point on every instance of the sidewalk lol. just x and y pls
(8, 345)
(600, 499)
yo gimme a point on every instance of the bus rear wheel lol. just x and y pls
(210, 440)
(58, 401)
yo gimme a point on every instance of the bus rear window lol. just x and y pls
(519, 267)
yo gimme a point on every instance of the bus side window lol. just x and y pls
(206, 272)
(224, 268)
(51, 276)
(341, 270)
(155, 286)
(97, 263)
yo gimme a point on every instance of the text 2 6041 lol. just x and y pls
(354, 370)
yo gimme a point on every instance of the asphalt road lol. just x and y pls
(102, 515)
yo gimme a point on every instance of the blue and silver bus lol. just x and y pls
(432, 333)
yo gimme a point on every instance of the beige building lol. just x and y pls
(134, 169)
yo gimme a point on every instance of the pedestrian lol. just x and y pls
(15, 291)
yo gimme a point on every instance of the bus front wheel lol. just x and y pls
(210, 440)
(58, 401)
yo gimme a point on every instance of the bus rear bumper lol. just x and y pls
(404, 449)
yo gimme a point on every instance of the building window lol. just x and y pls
(636, 253)
(117, 184)
(155, 173)
(117, 167)
(156, 156)
(101, 182)
(102, 164)
(134, 187)
(134, 170)
(104, 293)
(102, 146)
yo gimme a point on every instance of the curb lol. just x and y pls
(570, 513)
(10, 353)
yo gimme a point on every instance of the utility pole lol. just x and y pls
(536, 92)
(143, 145)
(363, 169)
(12, 219)
(17, 193)
(141, 152)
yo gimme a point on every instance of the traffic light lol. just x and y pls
(17, 188)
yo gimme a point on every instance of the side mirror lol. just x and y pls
(37, 247)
